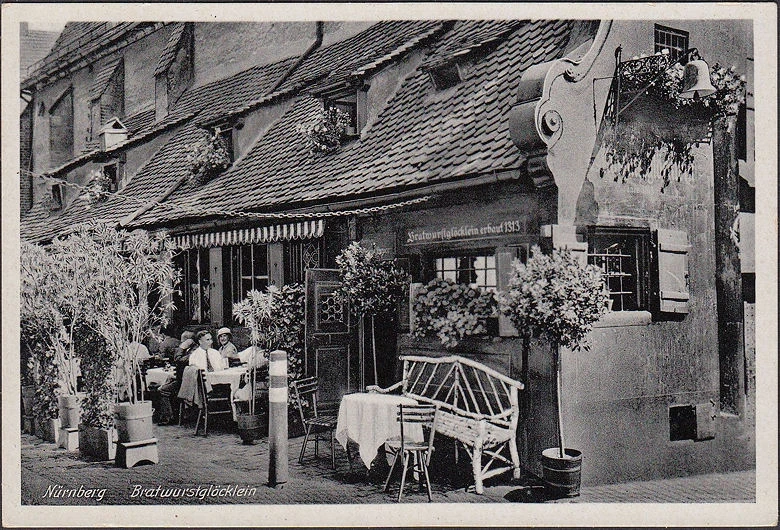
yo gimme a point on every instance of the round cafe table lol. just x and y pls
(370, 419)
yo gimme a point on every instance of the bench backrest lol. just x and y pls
(463, 386)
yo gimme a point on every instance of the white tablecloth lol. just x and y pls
(371, 419)
(159, 375)
(230, 376)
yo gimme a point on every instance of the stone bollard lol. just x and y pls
(278, 467)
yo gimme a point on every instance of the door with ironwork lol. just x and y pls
(331, 344)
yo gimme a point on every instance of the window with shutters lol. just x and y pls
(624, 258)
(476, 269)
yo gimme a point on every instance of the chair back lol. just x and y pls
(202, 390)
(305, 394)
(424, 415)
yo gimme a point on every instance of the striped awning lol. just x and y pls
(258, 234)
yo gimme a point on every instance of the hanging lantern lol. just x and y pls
(696, 81)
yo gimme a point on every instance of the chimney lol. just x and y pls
(112, 133)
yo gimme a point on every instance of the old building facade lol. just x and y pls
(453, 167)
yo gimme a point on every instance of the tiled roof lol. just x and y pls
(422, 136)
(33, 46)
(166, 167)
(169, 53)
(102, 79)
(168, 164)
(80, 40)
(336, 62)
(139, 121)
(469, 36)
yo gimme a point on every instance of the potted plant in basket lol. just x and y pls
(558, 299)
(373, 287)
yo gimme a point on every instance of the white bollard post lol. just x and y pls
(278, 467)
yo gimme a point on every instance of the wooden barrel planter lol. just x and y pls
(252, 427)
(562, 475)
(133, 421)
(70, 410)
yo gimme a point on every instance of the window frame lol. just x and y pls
(643, 262)
(184, 310)
(349, 102)
(235, 271)
(675, 52)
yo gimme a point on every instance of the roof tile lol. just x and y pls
(420, 137)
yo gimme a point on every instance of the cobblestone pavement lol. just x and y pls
(187, 461)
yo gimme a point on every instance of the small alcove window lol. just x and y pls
(349, 105)
(56, 197)
(445, 76)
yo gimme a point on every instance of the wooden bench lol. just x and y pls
(478, 407)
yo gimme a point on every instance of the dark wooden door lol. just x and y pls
(331, 345)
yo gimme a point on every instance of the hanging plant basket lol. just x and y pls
(207, 158)
(650, 118)
(324, 134)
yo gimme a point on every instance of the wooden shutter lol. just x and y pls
(504, 258)
(673, 291)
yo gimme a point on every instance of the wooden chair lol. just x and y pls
(214, 403)
(305, 394)
(418, 452)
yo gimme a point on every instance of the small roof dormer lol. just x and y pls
(112, 133)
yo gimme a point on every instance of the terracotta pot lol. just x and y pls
(97, 443)
(134, 421)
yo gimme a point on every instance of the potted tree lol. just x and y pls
(373, 287)
(131, 299)
(255, 312)
(556, 298)
(41, 323)
(276, 319)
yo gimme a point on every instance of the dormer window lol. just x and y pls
(445, 76)
(107, 96)
(56, 197)
(349, 105)
(113, 174)
(175, 69)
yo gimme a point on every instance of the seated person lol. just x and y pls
(165, 350)
(226, 347)
(260, 357)
(204, 356)
(170, 390)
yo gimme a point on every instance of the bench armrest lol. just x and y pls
(380, 390)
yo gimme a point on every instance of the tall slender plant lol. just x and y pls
(372, 286)
(556, 298)
(132, 290)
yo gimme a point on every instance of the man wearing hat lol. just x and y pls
(169, 390)
(226, 347)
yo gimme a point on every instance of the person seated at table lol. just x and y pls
(226, 347)
(170, 390)
(260, 358)
(204, 356)
(165, 349)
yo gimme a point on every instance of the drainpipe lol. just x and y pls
(314, 45)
